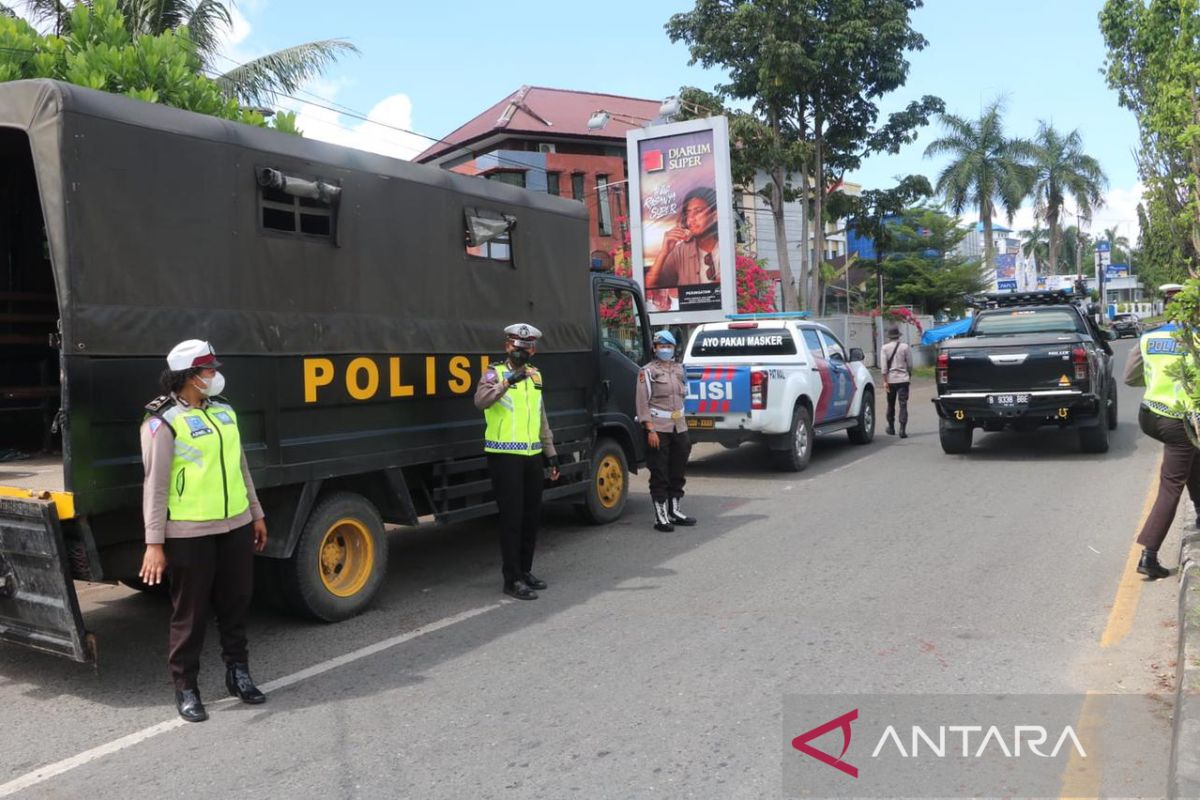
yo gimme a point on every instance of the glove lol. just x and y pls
(551, 461)
(515, 377)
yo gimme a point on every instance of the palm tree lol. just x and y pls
(1062, 169)
(1035, 242)
(986, 169)
(1078, 251)
(256, 82)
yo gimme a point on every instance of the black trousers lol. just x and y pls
(517, 483)
(208, 574)
(1180, 468)
(668, 465)
(897, 391)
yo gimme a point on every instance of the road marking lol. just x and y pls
(1082, 777)
(1129, 590)
(49, 771)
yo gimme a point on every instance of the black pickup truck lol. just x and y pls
(1029, 359)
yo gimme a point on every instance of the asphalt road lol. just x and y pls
(655, 665)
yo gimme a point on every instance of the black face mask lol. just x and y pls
(518, 357)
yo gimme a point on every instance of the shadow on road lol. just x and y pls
(433, 573)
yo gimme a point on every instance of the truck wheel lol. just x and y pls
(955, 439)
(1094, 439)
(1112, 406)
(865, 431)
(340, 559)
(608, 484)
(800, 441)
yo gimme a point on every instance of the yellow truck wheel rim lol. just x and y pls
(347, 557)
(610, 481)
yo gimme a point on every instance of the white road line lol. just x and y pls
(49, 771)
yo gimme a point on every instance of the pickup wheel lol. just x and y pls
(340, 559)
(864, 432)
(956, 440)
(1112, 406)
(800, 442)
(1094, 439)
(608, 484)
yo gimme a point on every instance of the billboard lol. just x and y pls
(681, 209)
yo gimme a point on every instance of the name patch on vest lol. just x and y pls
(1164, 347)
(197, 427)
(223, 417)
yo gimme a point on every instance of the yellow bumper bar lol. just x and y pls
(64, 502)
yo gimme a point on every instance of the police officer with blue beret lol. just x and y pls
(661, 389)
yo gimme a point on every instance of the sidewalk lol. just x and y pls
(1184, 772)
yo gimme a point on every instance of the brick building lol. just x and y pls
(539, 139)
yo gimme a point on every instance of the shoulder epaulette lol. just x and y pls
(160, 404)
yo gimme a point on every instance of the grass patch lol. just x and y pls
(923, 372)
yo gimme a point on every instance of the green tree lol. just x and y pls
(256, 82)
(97, 51)
(1035, 242)
(986, 169)
(812, 71)
(1078, 252)
(1120, 244)
(1061, 169)
(924, 268)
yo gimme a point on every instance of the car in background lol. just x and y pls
(1127, 325)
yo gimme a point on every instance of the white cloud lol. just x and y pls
(377, 134)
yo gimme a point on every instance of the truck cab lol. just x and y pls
(778, 379)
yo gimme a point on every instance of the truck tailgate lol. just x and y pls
(717, 390)
(38, 605)
(1010, 364)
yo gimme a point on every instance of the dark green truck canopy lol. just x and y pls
(154, 222)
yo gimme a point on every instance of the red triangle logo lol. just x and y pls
(801, 743)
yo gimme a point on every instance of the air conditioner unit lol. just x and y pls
(545, 147)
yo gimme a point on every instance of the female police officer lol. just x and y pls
(203, 521)
(661, 389)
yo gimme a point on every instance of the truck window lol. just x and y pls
(489, 234)
(748, 342)
(814, 342)
(832, 346)
(621, 324)
(1029, 320)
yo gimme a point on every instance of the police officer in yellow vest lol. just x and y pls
(1161, 417)
(203, 522)
(516, 441)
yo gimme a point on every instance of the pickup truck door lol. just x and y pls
(837, 381)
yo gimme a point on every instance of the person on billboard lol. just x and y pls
(689, 250)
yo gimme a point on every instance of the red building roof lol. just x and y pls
(550, 114)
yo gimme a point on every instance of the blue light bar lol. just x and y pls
(771, 315)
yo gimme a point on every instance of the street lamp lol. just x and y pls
(600, 118)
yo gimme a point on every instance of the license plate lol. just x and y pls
(1008, 399)
(701, 423)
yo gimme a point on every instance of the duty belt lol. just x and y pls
(655, 412)
(1162, 409)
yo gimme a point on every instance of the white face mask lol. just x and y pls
(210, 387)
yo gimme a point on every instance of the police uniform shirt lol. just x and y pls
(158, 453)
(661, 388)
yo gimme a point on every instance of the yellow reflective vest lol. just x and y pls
(206, 472)
(514, 422)
(1164, 393)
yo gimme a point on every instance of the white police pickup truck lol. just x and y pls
(778, 380)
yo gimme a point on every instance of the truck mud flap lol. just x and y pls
(38, 605)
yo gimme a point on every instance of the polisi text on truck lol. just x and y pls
(372, 377)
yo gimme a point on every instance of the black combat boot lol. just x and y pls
(189, 705)
(534, 582)
(903, 431)
(677, 515)
(520, 590)
(241, 685)
(662, 517)
(1149, 566)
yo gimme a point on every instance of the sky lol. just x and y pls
(429, 67)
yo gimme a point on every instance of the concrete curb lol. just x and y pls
(1184, 770)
